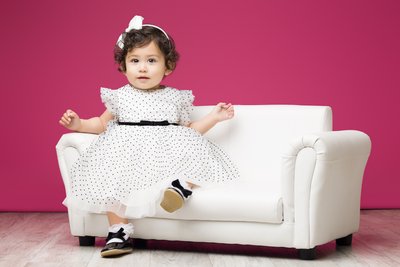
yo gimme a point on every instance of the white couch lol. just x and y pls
(300, 186)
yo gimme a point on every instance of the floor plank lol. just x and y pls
(43, 239)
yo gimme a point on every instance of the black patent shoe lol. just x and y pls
(117, 248)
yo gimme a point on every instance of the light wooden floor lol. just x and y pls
(43, 239)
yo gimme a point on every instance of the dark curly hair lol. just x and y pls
(139, 38)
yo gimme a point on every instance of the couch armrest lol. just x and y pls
(68, 149)
(321, 185)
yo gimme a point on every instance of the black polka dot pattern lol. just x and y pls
(127, 167)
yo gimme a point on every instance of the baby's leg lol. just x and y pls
(115, 219)
(192, 186)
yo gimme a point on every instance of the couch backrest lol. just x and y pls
(258, 134)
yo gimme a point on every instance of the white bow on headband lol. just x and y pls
(137, 23)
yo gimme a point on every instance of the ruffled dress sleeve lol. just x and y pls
(187, 99)
(110, 99)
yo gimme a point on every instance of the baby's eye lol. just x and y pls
(135, 60)
(152, 60)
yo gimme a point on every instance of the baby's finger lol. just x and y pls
(71, 114)
(65, 120)
(62, 123)
(66, 117)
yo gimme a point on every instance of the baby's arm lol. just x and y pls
(221, 112)
(96, 125)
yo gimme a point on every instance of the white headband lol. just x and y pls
(136, 23)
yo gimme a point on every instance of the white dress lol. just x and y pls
(126, 169)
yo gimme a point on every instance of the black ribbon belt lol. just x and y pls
(147, 123)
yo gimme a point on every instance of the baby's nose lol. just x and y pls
(143, 67)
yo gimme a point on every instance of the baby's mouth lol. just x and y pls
(143, 78)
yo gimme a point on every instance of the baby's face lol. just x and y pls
(145, 67)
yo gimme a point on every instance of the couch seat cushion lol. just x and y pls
(239, 201)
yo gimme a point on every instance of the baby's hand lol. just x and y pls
(223, 111)
(70, 120)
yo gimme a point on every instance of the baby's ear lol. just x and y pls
(121, 69)
(170, 67)
(168, 72)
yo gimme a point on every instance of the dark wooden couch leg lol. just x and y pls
(85, 241)
(139, 243)
(344, 241)
(307, 254)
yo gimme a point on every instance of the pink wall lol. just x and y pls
(56, 54)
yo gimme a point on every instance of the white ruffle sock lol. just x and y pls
(128, 230)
